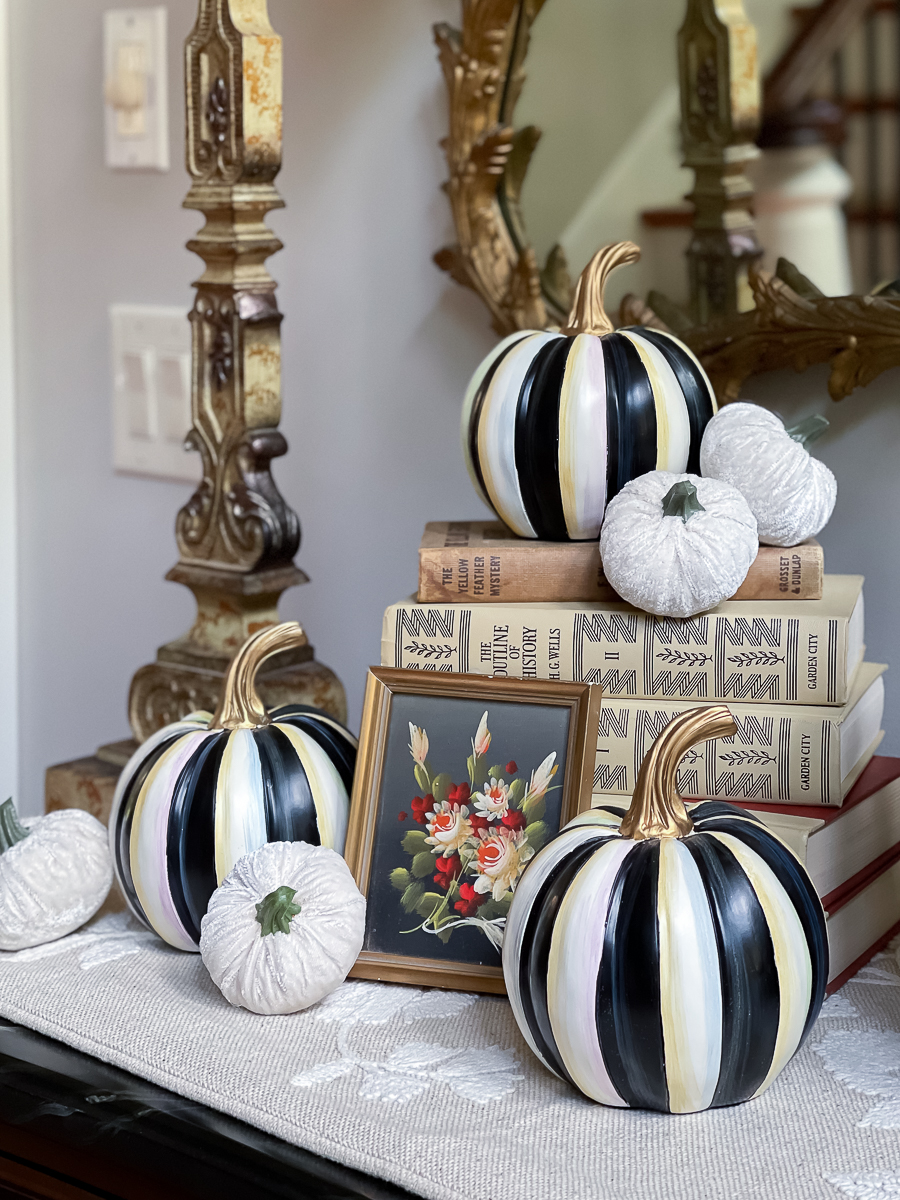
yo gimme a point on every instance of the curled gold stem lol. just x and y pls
(240, 706)
(588, 314)
(657, 810)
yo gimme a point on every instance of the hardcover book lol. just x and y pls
(861, 917)
(780, 753)
(768, 652)
(483, 562)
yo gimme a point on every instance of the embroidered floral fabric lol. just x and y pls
(436, 1091)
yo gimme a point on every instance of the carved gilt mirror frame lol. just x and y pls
(742, 320)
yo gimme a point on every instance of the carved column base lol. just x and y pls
(188, 673)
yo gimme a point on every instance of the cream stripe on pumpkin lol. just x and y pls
(469, 400)
(573, 967)
(496, 441)
(582, 438)
(792, 959)
(690, 986)
(685, 349)
(148, 847)
(325, 785)
(240, 820)
(671, 407)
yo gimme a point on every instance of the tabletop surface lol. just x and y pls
(79, 1121)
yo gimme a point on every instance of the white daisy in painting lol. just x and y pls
(501, 857)
(493, 802)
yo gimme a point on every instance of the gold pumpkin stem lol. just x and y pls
(240, 706)
(657, 811)
(588, 314)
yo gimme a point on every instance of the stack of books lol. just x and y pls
(786, 654)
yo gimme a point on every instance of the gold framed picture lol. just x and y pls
(460, 780)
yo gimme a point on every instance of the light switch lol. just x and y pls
(135, 88)
(151, 354)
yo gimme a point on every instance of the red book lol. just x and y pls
(861, 918)
(839, 844)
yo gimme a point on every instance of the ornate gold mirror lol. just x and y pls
(688, 70)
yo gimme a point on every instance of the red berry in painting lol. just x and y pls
(478, 822)
(401, 816)
(511, 767)
(514, 820)
(459, 793)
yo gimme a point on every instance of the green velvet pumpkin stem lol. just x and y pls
(807, 431)
(240, 706)
(588, 314)
(681, 501)
(276, 912)
(11, 831)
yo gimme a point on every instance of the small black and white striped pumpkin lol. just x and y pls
(661, 960)
(554, 424)
(203, 792)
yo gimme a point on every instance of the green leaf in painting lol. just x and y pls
(411, 897)
(470, 763)
(440, 786)
(516, 792)
(496, 772)
(444, 935)
(400, 879)
(535, 808)
(421, 779)
(495, 908)
(414, 842)
(537, 834)
(423, 864)
(428, 903)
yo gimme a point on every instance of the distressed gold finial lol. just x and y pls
(657, 810)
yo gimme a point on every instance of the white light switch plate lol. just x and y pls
(134, 69)
(151, 359)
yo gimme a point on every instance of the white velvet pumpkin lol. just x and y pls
(791, 493)
(284, 928)
(55, 872)
(675, 544)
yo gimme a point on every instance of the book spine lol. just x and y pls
(762, 659)
(573, 571)
(774, 757)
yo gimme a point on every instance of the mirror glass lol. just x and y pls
(602, 85)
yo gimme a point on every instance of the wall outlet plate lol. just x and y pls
(135, 88)
(151, 361)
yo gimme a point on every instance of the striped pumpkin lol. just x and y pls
(554, 424)
(203, 792)
(661, 960)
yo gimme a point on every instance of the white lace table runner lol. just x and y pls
(436, 1091)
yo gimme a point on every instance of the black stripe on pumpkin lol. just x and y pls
(478, 405)
(717, 810)
(802, 896)
(537, 440)
(339, 748)
(190, 851)
(693, 386)
(629, 1016)
(535, 954)
(191, 843)
(629, 391)
(287, 795)
(751, 998)
(125, 820)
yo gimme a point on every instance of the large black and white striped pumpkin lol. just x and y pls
(203, 792)
(554, 424)
(661, 960)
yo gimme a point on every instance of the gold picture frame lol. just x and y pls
(378, 741)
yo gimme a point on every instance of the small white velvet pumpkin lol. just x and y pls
(55, 872)
(676, 545)
(284, 928)
(791, 493)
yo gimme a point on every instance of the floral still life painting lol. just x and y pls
(476, 836)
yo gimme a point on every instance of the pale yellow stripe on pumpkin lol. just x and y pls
(134, 840)
(657, 386)
(792, 959)
(690, 988)
(324, 784)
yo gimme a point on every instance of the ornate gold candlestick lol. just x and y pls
(236, 535)
(719, 120)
